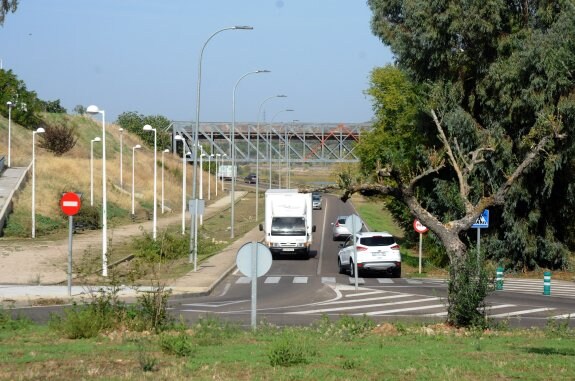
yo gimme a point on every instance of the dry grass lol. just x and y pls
(71, 172)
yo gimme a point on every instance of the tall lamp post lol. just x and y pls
(40, 130)
(147, 127)
(258, 149)
(289, 155)
(95, 110)
(217, 158)
(196, 132)
(270, 143)
(180, 138)
(232, 133)
(96, 139)
(134, 148)
(163, 152)
(210, 156)
(10, 105)
(121, 157)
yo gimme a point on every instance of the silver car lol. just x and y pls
(339, 231)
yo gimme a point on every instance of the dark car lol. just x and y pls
(252, 178)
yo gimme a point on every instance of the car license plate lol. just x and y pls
(288, 249)
(377, 254)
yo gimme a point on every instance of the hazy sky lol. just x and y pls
(143, 55)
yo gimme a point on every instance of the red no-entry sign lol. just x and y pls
(70, 203)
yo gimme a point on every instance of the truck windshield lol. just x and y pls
(288, 226)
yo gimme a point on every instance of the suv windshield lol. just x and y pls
(377, 241)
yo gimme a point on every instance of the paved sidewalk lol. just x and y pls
(16, 279)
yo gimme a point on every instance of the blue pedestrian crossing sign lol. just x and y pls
(482, 221)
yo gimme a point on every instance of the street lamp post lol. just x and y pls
(270, 143)
(134, 148)
(289, 155)
(210, 156)
(163, 152)
(96, 139)
(121, 157)
(232, 133)
(95, 110)
(40, 130)
(217, 156)
(202, 181)
(196, 132)
(181, 138)
(10, 105)
(147, 127)
(258, 150)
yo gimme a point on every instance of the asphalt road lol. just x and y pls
(297, 291)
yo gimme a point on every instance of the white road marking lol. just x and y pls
(328, 279)
(384, 280)
(300, 279)
(377, 313)
(322, 310)
(523, 312)
(272, 279)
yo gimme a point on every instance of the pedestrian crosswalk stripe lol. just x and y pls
(413, 281)
(272, 279)
(523, 312)
(328, 279)
(387, 312)
(359, 280)
(384, 280)
(324, 310)
(244, 280)
(300, 279)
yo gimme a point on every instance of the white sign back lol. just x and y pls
(244, 259)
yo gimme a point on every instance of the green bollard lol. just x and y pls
(499, 279)
(547, 283)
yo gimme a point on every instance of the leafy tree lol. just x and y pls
(80, 110)
(495, 101)
(5, 7)
(25, 103)
(53, 107)
(135, 122)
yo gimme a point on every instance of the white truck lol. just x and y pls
(288, 224)
(225, 172)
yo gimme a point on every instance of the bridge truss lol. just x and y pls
(293, 142)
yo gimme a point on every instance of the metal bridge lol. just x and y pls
(293, 142)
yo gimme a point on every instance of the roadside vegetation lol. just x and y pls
(106, 339)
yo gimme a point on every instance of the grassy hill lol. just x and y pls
(71, 173)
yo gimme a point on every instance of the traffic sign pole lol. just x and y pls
(70, 231)
(254, 284)
(419, 228)
(70, 204)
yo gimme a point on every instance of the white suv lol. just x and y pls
(376, 251)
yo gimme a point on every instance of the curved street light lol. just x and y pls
(96, 139)
(92, 109)
(258, 150)
(270, 143)
(147, 127)
(134, 148)
(193, 254)
(40, 130)
(233, 146)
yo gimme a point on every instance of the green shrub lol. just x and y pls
(9, 323)
(166, 246)
(346, 327)
(88, 217)
(151, 310)
(292, 347)
(467, 289)
(213, 331)
(180, 345)
(45, 225)
(78, 322)
(148, 362)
